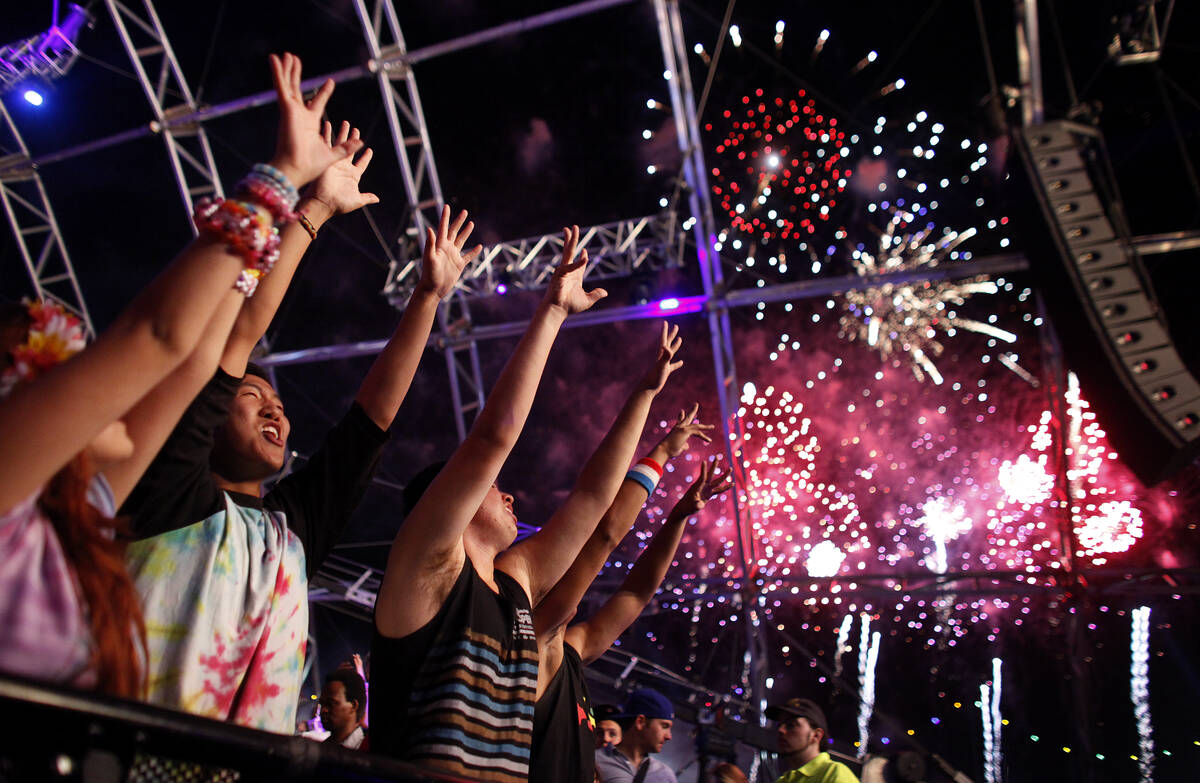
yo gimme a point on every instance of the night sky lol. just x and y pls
(546, 128)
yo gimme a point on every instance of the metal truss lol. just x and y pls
(410, 140)
(619, 249)
(47, 55)
(187, 144)
(36, 229)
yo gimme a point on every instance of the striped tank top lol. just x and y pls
(457, 695)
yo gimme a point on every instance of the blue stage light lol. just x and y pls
(34, 97)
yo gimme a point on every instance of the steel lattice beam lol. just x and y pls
(618, 249)
(414, 152)
(36, 230)
(187, 144)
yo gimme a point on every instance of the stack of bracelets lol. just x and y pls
(646, 472)
(249, 231)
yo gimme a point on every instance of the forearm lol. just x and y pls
(391, 376)
(259, 310)
(508, 404)
(151, 421)
(605, 469)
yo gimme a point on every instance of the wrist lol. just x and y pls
(293, 173)
(424, 295)
(317, 211)
(552, 311)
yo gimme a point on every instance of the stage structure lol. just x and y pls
(620, 249)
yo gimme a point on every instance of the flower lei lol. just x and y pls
(55, 335)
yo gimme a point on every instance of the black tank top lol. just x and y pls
(457, 694)
(564, 728)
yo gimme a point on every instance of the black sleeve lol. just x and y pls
(320, 497)
(177, 489)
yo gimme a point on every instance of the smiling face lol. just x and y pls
(252, 443)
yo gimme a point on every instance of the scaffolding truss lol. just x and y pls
(618, 250)
(35, 228)
(167, 90)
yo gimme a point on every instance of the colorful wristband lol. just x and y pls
(639, 477)
(646, 472)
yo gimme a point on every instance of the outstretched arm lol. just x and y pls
(236, 328)
(428, 551)
(593, 636)
(384, 388)
(335, 192)
(64, 409)
(559, 605)
(546, 555)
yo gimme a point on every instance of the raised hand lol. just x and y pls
(710, 483)
(669, 344)
(337, 187)
(444, 261)
(566, 286)
(685, 428)
(300, 151)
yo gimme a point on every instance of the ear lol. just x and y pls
(640, 722)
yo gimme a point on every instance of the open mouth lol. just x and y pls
(272, 434)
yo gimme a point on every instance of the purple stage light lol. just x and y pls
(33, 97)
(676, 305)
(501, 289)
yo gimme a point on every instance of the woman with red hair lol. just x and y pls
(68, 611)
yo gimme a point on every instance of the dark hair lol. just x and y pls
(625, 723)
(356, 689)
(417, 485)
(259, 371)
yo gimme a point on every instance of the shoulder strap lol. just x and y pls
(643, 768)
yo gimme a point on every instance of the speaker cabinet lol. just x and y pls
(1101, 305)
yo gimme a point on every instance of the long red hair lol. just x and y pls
(94, 545)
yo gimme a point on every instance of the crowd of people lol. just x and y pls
(140, 556)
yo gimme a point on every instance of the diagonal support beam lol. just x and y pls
(36, 230)
(150, 52)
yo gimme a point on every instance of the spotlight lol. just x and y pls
(48, 55)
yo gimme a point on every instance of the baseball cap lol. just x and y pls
(648, 702)
(799, 708)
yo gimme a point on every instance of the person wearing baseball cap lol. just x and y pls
(645, 727)
(801, 730)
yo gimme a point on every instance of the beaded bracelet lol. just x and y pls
(646, 472)
(278, 177)
(278, 199)
(307, 224)
(248, 232)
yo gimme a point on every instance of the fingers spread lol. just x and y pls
(364, 160)
(461, 238)
(344, 132)
(327, 132)
(475, 251)
(444, 223)
(317, 104)
(457, 224)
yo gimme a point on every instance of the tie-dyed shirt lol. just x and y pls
(44, 629)
(457, 695)
(223, 576)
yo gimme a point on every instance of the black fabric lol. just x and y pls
(642, 770)
(457, 694)
(564, 727)
(317, 499)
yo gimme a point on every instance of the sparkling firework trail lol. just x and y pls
(868, 657)
(843, 636)
(1139, 689)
